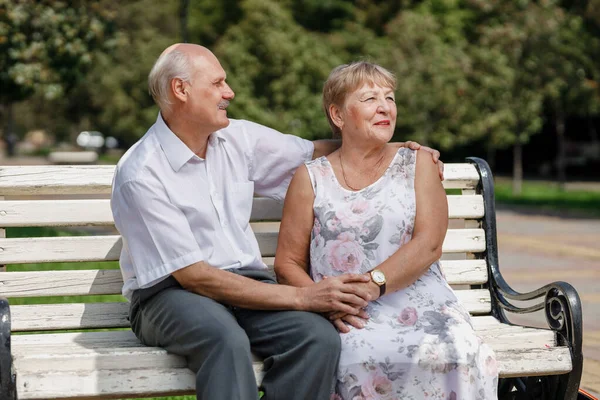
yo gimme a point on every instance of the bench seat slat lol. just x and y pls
(38, 380)
(505, 337)
(108, 248)
(114, 315)
(97, 212)
(97, 179)
(105, 281)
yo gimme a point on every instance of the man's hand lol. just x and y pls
(336, 294)
(435, 155)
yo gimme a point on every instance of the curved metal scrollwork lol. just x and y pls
(556, 310)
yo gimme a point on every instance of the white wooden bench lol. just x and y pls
(73, 157)
(101, 358)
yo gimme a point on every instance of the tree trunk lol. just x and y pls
(183, 20)
(561, 164)
(491, 156)
(10, 137)
(517, 183)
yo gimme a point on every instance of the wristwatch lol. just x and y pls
(378, 277)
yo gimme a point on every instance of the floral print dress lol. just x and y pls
(419, 342)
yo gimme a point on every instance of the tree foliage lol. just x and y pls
(49, 45)
(469, 71)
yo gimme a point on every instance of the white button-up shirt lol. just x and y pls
(174, 208)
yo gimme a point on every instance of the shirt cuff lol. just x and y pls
(150, 276)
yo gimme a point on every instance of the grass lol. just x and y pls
(547, 197)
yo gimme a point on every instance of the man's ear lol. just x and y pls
(336, 116)
(179, 89)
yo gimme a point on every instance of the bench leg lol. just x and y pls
(7, 377)
(552, 387)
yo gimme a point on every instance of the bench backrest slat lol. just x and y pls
(97, 179)
(96, 212)
(106, 281)
(114, 315)
(108, 248)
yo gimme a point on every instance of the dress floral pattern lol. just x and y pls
(419, 342)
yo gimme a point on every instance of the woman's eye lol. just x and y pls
(391, 99)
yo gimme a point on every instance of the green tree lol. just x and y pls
(277, 69)
(432, 80)
(48, 46)
(549, 52)
(116, 92)
(570, 77)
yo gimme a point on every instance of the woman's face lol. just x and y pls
(370, 113)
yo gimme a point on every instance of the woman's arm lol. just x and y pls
(407, 264)
(293, 245)
(293, 253)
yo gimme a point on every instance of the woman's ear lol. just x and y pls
(336, 116)
(179, 89)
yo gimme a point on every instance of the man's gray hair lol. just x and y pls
(172, 65)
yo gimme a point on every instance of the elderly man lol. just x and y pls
(193, 272)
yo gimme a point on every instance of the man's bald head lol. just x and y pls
(177, 61)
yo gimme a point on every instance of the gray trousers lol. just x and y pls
(300, 349)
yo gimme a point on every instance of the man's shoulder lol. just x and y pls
(134, 162)
(243, 126)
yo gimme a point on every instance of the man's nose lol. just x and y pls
(228, 94)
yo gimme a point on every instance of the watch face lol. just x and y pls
(378, 277)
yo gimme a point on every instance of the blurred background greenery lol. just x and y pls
(513, 81)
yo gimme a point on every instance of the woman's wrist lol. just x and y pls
(373, 288)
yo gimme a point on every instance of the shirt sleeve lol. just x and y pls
(273, 158)
(156, 234)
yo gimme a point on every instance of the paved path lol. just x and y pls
(535, 250)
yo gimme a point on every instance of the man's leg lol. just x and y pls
(206, 333)
(301, 352)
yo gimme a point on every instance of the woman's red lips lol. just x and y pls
(384, 122)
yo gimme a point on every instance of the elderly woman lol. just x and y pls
(374, 209)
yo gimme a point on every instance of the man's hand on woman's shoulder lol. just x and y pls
(435, 155)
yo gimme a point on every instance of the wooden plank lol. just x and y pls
(69, 316)
(64, 179)
(97, 179)
(460, 176)
(534, 362)
(476, 301)
(458, 207)
(55, 213)
(60, 249)
(108, 248)
(77, 359)
(97, 212)
(111, 384)
(457, 272)
(100, 282)
(24, 347)
(37, 381)
(114, 315)
(60, 283)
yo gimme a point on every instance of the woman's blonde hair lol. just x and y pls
(346, 78)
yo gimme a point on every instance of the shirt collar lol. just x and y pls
(177, 152)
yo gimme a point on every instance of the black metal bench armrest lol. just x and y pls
(7, 377)
(560, 302)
